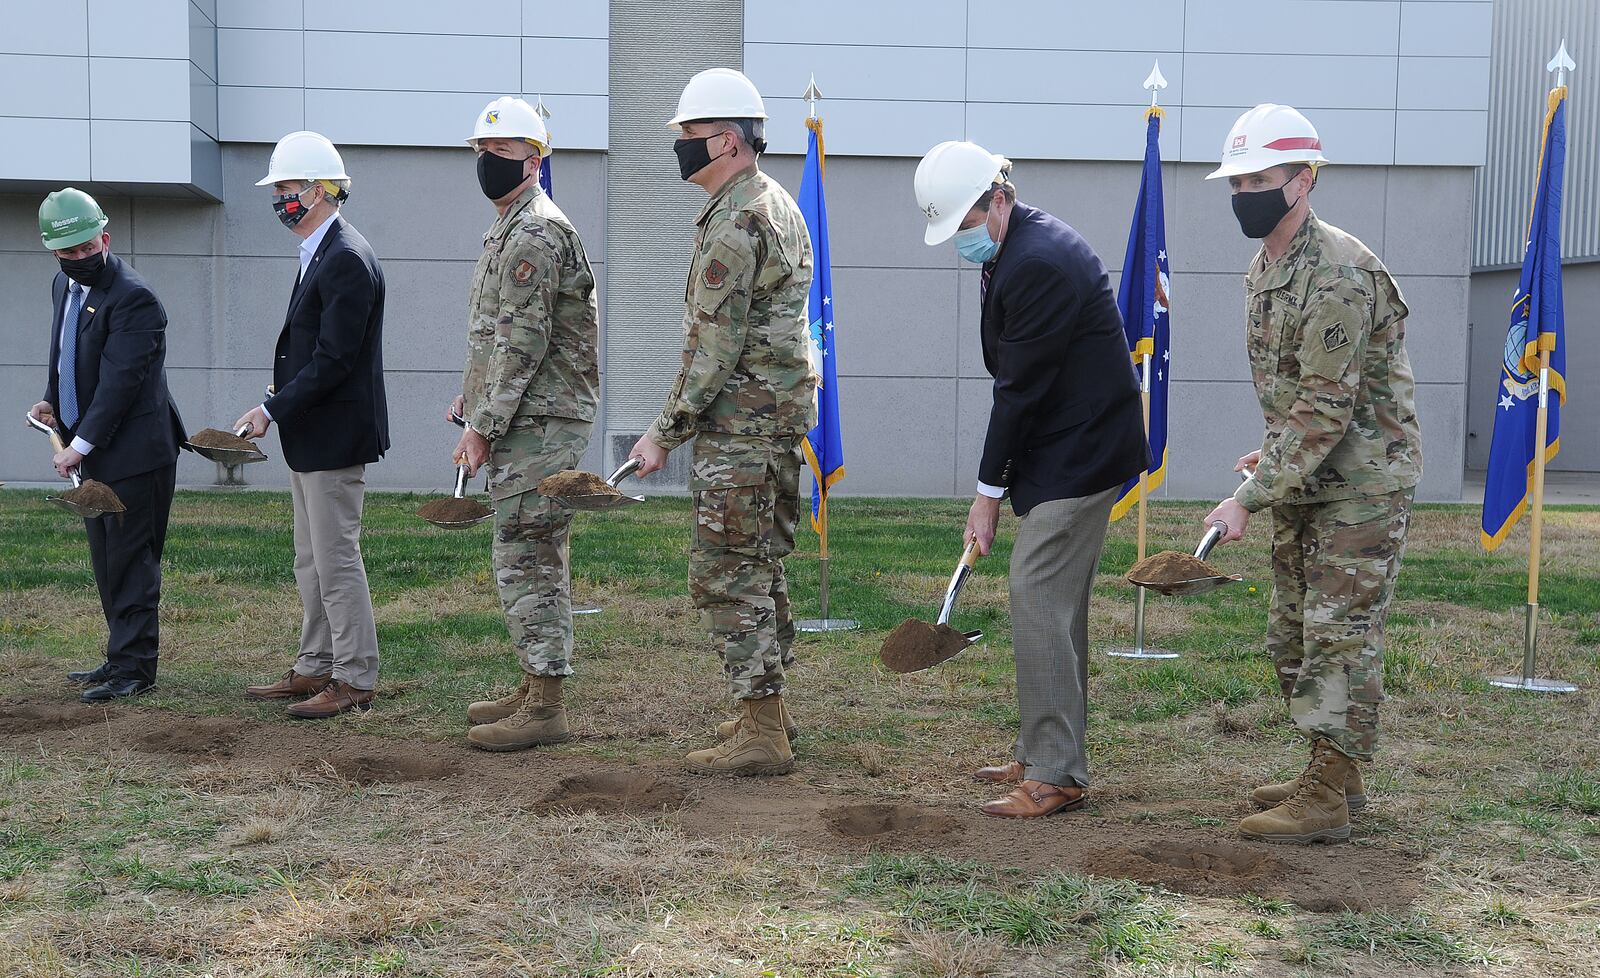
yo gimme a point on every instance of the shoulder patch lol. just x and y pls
(523, 272)
(716, 274)
(1335, 337)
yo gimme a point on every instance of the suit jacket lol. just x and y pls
(329, 401)
(1067, 419)
(124, 407)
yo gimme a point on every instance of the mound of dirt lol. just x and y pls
(210, 737)
(95, 495)
(915, 645)
(1204, 867)
(621, 792)
(213, 438)
(39, 718)
(571, 482)
(453, 510)
(902, 822)
(1170, 567)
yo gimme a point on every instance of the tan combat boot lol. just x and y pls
(1271, 795)
(759, 746)
(1316, 812)
(541, 719)
(728, 728)
(493, 711)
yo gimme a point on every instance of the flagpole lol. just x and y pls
(825, 623)
(1154, 83)
(1528, 682)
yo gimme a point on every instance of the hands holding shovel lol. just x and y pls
(1228, 512)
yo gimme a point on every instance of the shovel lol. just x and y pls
(457, 511)
(1196, 585)
(227, 456)
(916, 645)
(596, 501)
(86, 498)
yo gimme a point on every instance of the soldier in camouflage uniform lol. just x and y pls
(1338, 467)
(528, 397)
(746, 394)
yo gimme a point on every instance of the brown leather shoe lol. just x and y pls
(1010, 773)
(291, 686)
(1035, 799)
(335, 698)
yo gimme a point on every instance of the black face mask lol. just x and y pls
(291, 210)
(694, 155)
(84, 271)
(497, 175)
(1261, 210)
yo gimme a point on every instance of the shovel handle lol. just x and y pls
(461, 477)
(627, 468)
(457, 420)
(243, 431)
(55, 442)
(958, 580)
(1210, 540)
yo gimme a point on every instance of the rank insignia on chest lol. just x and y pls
(716, 273)
(523, 272)
(1334, 337)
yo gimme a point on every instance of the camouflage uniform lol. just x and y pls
(530, 389)
(1341, 459)
(747, 392)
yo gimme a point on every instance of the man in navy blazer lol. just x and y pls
(1065, 432)
(106, 391)
(328, 400)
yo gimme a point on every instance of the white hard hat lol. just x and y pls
(1268, 135)
(950, 179)
(508, 117)
(303, 156)
(719, 93)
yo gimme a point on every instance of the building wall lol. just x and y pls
(224, 273)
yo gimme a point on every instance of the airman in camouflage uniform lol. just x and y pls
(530, 390)
(1338, 467)
(746, 393)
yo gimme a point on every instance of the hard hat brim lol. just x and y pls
(74, 239)
(943, 228)
(677, 121)
(1240, 169)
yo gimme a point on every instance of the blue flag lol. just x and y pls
(1142, 299)
(1536, 327)
(823, 447)
(544, 177)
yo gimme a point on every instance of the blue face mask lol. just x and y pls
(975, 245)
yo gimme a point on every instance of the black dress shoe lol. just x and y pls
(93, 677)
(116, 688)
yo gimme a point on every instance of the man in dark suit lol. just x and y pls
(328, 400)
(107, 391)
(1065, 432)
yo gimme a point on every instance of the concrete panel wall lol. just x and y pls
(224, 273)
(110, 92)
(365, 72)
(1387, 81)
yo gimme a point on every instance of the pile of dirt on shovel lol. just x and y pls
(452, 510)
(571, 482)
(1171, 567)
(95, 495)
(212, 438)
(915, 645)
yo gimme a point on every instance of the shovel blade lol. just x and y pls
(598, 501)
(916, 645)
(87, 512)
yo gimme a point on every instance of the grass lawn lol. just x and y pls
(198, 834)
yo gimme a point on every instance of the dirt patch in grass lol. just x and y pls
(887, 823)
(32, 718)
(200, 737)
(618, 792)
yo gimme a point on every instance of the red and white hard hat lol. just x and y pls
(1268, 135)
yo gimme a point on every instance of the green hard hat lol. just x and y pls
(68, 218)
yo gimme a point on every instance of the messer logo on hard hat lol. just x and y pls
(932, 211)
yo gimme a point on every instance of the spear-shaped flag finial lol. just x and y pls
(538, 107)
(1561, 64)
(812, 95)
(1155, 82)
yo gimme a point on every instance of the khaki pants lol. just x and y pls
(337, 634)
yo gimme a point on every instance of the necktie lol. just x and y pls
(983, 288)
(69, 357)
